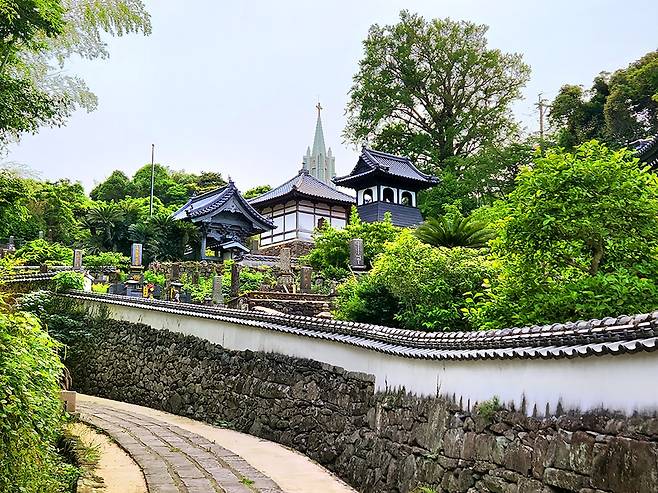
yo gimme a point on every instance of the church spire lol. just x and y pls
(319, 164)
(318, 141)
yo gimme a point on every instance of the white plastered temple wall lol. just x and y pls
(624, 382)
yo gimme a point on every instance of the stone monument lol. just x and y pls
(305, 279)
(217, 293)
(357, 259)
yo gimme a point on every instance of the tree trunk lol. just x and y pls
(597, 256)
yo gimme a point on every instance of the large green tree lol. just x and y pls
(116, 187)
(618, 109)
(578, 115)
(433, 89)
(36, 39)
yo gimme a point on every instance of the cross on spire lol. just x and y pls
(319, 108)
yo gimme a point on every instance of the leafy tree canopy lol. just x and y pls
(618, 109)
(173, 188)
(36, 38)
(116, 187)
(416, 286)
(256, 191)
(331, 253)
(568, 248)
(433, 90)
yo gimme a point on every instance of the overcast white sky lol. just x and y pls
(231, 86)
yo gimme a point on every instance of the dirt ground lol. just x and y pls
(119, 472)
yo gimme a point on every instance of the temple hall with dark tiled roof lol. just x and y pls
(225, 220)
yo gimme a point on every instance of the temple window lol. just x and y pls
(407, 199)
(388, 195)
(367, 196)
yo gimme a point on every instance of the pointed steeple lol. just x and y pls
(320, 164)
(318, 141)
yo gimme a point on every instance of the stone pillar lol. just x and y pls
(285, 260)
(77, 259)
(11, 246)
(254, 245)
(235, 280)
(217, 294)
(203, 245)
(41, 235)
(357, 259)
(305, 279)
(285, 279)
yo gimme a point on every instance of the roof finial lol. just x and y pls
(319, 108)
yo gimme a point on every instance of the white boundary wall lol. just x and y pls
(623, 382)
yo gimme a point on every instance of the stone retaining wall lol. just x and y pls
(377, 441)
(307, 305)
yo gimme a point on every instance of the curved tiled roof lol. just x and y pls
(647, 152)
(304, 185)
(213, 201)
(41, 276)
(624, 334)
(372, 161)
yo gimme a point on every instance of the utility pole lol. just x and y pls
(541, 104)
(152, 178)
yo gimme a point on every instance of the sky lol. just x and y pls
(231, 86)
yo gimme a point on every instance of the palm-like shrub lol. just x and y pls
(105, 222)
(455, 230)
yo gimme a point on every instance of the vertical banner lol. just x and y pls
(136, 255)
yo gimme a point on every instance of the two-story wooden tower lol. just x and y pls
(387, 183)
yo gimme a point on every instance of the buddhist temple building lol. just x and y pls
(225, 220)
(306, 201)
(296, 208)
(387, 183)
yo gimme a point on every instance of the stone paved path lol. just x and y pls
(175, 460)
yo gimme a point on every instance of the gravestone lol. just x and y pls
(285, 260)
(305, 279)
(217, 293)
(235, 280)
(117, 288)
(77, 259)
(136, 255)
(11, 246)
(285, 279)
(357, 260)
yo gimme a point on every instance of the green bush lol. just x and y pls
(425, 287)
(31, 415)
(64, 281)
(154, 278)
(579, 241)
(106, 259)
(38, 252)
(100, 287)
(331, 253)
(367, 300)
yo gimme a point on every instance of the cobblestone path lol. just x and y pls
(175, 460)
